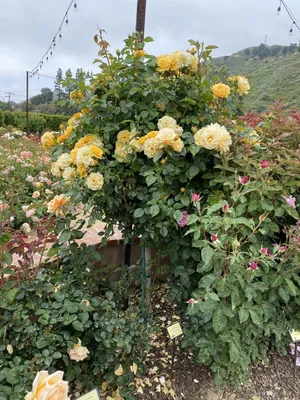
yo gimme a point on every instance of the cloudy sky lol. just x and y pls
(28, 26)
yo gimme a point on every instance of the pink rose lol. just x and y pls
(225, 208)
(265, 164)
(184, 220)
(25, 154)
(254, 265)
(244, 180)
(291, 201)
(195, 197)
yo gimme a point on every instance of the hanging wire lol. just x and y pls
(58, 34)
(291, 15)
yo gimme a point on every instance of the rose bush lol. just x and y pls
(167, 141)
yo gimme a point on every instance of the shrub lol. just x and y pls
(41, 319)
(9, 118)
(1, 118)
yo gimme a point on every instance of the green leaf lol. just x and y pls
(78, 326)
(256, 317)
(4, 238)
(52, 252)
(151, 179)
(65, 236)
(207, 254)
(192, 219)
(284, 294)
(7, 258)
(154, 210)
(267, 204)
(185, 200)
(291, 287)
(219, 320)
(213, 296)
(211, 47)
(235, 299)
(193, 171)
(234, 353)
(138, 213)
(177, 215)
(148, 39)
(243, 315)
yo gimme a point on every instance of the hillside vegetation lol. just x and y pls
(273, 71)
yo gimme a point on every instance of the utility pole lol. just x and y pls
(27, 102)
(141, 17)
(8, 94)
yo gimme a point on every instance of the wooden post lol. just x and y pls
(141, 17)
(27, 101)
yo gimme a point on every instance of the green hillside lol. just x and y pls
(273, 72)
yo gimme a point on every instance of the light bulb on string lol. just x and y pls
(60, 36)
(291, 30)
(279, 9)
(67, 21)
(75, 6)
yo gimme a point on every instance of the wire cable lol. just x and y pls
(52, 46)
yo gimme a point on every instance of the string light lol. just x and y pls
(291, 15)
(65, 22)
(279, 9)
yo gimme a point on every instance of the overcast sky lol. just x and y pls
(28, 26)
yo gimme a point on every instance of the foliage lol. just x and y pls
(1, 118)
(45, 97)
(44, 317)
(271, 78)
(37, 121)
(25, 181)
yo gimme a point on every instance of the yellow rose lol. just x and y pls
(48, 387)
(82, 171)
(96, 151)
(69, 173)
(139, 53)
(176, 62)
(85, 157)
(177, 145)
(89, 140)
(166, 134)
(213, 137)
(221, 91)
(243, 86)
(151, 148)
(47, 140)
(164, 62)
(73, 155)
(167, 122)
(58, 205)
(95, 181)
(194, 64)
(78, 353)
(124, 136)
(149, 135)
(63, 161)
(55, 170)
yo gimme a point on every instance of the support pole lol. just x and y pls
(27, 102)
(141, 17)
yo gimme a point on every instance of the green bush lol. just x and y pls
(9, 118)
(37, 121)
(43, 318)
(1, 118)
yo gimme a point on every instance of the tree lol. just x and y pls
(59, 92)
(247, 52)
(47, 95)
(68, 84)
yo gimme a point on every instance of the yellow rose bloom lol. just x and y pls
(63, 161)
(58, 205)
(78, 353)
(139, 53)
(73, 155)
(124, 136)
(50, 387)
(149, 135)
(96, 151)
(151, 148)
(85, 157)
(77, 115)
(69, 173)
(47, 140)
(213, 137)
(95, 181)
(243, 86)
(89, 140)
(175, 62)
(85, 111)
(164, 62)
(167, 122)
(65, 135)
(177, 145)
(55, 170)
(82, 171)
(220, 91)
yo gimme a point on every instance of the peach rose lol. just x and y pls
(48, 387)
(79, 352)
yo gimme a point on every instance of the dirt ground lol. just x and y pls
(191, 381)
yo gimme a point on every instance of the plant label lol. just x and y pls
(295, 335)
(93, 395)
(175, 330)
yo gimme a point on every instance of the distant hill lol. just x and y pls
(273, 72)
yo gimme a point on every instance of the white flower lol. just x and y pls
(167, 122)
(55, 170)
(151, 148)
(63, 161)
(9, 349)
(166, 134)
(69, 173)
(26, 228)
(29, 179)
(78, 353)
(85, 157)
(95, 181)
